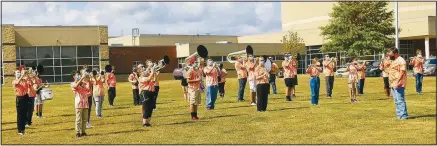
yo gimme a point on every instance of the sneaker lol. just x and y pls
(21, 133)
(27, 125)
(194, 118)
(148, 125)
(253, 103)
(42, 117)
(288, 99)
(154, 109)
(83, 134)
(88, 125)
(77, 135)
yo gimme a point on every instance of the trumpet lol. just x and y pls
(334, 59)
(242, 53)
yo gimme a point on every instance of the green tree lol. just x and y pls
(359, 28)
(292, 43)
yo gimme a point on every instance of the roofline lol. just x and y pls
(185, 35)
(142, 46)
(63, 26)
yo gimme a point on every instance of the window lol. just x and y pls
(58, 61)
(216, 58)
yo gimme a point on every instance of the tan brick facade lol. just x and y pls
(8, 34)
(9, 53)
(103, 33)
(104, 55)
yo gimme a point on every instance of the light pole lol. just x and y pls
(397, 24)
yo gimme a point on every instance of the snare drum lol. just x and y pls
(46, 94)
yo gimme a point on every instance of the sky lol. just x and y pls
(216, 18)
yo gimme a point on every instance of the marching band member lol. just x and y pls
(262, 85)
(211, 73)
(289, 76)
(273, 71)
(21, 87)
(222, 82)
(417, 63)
(87, 83)
(81, 103)
(251, 65)
(240, 67)
(193, 79)
(352, 69)
(98, 91)
(362, 77)
(398, 82)
(156, 89)
(202, 75)
(38, 101)
(384, 67)
(133, 79)
(184, 85)
(147, 85)
(294, 79)
(328, 65)
(111, 83)
(314, 71)
(31, 80)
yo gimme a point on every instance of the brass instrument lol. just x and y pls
(161, 63)
(180, 73)
(243, 53)
(201, 52)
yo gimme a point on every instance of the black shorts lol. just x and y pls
(289, 82)
(386, 84)
(184, 82)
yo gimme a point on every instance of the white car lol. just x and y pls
(341, 72)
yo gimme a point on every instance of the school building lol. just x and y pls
(63, 49)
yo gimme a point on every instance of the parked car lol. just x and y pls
(341, 72)
(429, 67)
(373, 70)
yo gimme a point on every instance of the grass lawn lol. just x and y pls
(334, 121)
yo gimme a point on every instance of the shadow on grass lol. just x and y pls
(232, 107)
(127, 114)
(185, 122)
(423, 116)
(172, 115)
(65, 115)
(225, 116)
(68, 129)
(117, 132)
(9, 123)
(282, 109)
(117, 107)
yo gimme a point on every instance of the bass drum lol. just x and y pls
(179, 73)
(46, 94)
(268, 65)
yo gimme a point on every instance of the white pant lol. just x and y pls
(252, 86)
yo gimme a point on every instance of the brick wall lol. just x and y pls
(124, 57)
